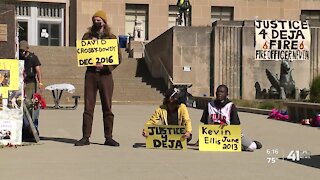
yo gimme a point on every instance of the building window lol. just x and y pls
(173, 14)
(50, 24)
(311, 15)
(221, 13)
(136, 12)
(49, 34)
(41, 23)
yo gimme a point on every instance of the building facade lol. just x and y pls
(62, 22)
(44, 23)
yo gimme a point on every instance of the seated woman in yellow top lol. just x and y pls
(172, 112)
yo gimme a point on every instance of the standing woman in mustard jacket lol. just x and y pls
(171, 112)
(98, 78)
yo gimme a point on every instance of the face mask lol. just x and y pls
(98, 25)
(22, 53)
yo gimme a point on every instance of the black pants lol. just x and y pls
(93, 83)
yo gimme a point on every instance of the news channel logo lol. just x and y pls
(293, 155)
(296, 155)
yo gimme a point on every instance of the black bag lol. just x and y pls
(29, 67)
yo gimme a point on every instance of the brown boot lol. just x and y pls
(82, 142)
(111, 142)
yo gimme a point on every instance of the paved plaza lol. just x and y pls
(56, 158)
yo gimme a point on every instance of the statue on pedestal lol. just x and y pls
(283, 87)
(138, 31)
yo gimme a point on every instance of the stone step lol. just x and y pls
(127, 90)
(60, 54)
(54, 79)
(132, 82)
(117, 96)
(124, 70)
(71, 73)
(138, 92)
(80, 76)
(131, 87)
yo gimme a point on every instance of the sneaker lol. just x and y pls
(82, 142)
(111, 142)
(196, 144)
(259, 145)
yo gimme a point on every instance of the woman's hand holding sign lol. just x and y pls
(144, 133)
(186, 135)
(223, 125)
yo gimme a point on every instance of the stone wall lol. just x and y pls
(183, 54)
(222, 54)
(226, 62)
(201, 12)
(159, 56)
(191, 49)
(255, 71)
(7, 31)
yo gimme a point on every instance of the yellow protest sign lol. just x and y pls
(165, 137)
(9, 76)
(91, 52)
(213, 138)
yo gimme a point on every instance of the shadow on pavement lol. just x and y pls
(314, 161)
(139, 145)
(143, 145)
(101, 144)
(63, 140)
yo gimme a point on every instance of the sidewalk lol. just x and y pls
(56, 158)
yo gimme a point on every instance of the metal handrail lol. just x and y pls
(165, 69)
(147, 57)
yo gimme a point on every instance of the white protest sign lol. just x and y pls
(282, 40)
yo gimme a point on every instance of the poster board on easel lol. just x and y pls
(11, 101)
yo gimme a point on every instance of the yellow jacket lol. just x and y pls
(161, 115)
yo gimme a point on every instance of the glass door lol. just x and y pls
(23, 30)
(49, 34)
(136, 12)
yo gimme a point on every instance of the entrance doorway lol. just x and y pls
(136, 12)
(23, 30)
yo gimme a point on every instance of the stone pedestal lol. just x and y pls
(136, 49)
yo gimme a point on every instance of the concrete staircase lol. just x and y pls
(132, 80)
